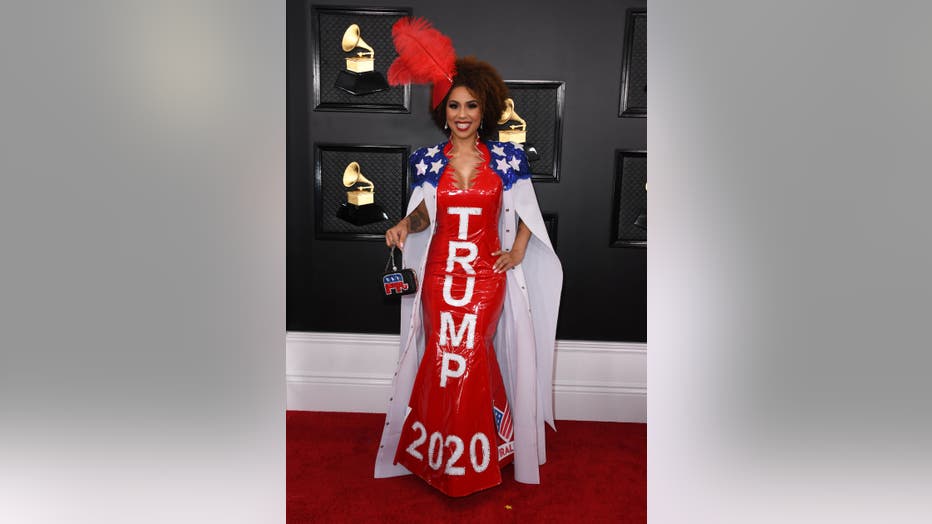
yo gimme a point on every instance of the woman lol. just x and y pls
(473, 384)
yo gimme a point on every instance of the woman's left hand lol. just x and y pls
(507, 259)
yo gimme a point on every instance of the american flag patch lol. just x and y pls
(503, 423)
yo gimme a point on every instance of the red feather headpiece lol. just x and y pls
(425, 56)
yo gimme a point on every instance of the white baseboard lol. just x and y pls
(603, 381)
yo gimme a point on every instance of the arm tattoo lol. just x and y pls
(418, 219)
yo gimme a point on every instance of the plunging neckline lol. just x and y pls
(476, 170)
(472, 179)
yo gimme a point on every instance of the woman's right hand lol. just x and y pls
(415, 222)
(396, 235)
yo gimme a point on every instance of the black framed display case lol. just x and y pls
(350, 79)
(539, 104)
(629, 199)
(359, 190)
(633, 101)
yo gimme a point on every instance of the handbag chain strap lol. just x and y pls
(391, 261)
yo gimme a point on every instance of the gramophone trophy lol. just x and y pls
(516, 132)
(360, 76)
(360, 207)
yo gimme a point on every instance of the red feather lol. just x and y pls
(425, 55)
(399, 73)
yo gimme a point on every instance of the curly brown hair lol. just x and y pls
(487, 85)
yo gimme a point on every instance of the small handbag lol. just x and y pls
(395, 281)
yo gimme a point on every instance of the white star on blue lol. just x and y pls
(519, 145)
(502, 164)
(421, 168)
(515, 163)
(431, 151)
(498, 150)
(435, 166)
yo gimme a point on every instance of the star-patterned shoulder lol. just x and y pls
(509, 161)
(426, 165)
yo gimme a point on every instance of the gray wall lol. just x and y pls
(332, 284)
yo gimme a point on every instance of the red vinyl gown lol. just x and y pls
(458, 431)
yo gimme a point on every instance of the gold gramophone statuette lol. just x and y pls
(516, 132)
(360, 77)
(364, 60)
(360, 208)
(365, 194)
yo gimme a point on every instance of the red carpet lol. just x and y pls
(596, 472)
